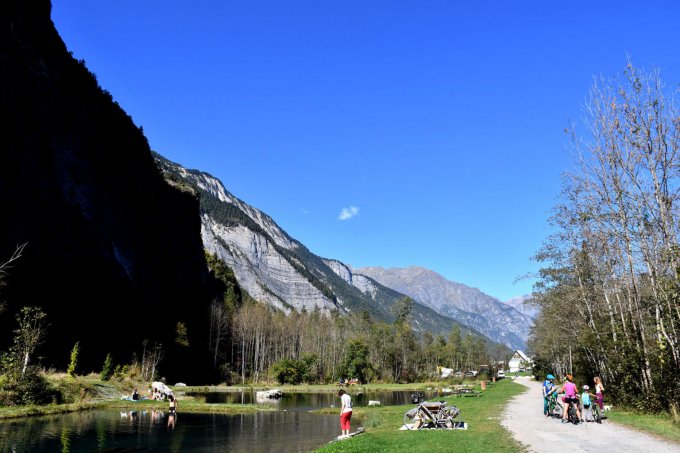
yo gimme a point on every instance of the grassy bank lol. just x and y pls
(51, 409)
(183, 406)
(482, 414)
(660, 425)
(89, 392)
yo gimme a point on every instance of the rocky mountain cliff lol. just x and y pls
(519, 304)
(114, 254)
(115, 247)
(469, 306)
(276, 269)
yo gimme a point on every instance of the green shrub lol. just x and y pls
(118, 372)
(31, 388)
(71, 371)
(107, 369)
(287, 371)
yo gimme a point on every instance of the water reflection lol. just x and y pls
(107, 431)
(308, 401)
(172, 419)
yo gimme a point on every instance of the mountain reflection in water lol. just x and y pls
(155, 430)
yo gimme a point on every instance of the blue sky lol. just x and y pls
(390, 134)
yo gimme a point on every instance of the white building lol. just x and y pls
(519, 360)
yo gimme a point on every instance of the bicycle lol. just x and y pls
(572, 415)
(555, 409)
(431, 415)
(595, 408)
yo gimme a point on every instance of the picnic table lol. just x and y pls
(467, 392)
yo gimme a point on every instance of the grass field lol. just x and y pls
(660, 425)
(482, 415)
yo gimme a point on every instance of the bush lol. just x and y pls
(228, 375)
(32, 388)
(356, 364)
(71, 371)
(287, 371)
(107, 369)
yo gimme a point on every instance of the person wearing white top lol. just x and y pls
(345, 413)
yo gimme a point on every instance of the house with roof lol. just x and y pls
(519, 360)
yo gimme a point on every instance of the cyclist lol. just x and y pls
(548, 388)
(570, 390)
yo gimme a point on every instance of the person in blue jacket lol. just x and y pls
(548, 388)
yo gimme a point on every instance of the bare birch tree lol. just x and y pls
(29, 335)
(611, 287)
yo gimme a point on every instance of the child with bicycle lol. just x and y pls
(549, 388)
(570, 397)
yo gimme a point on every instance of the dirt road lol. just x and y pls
(524, 418)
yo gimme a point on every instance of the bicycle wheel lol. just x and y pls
(572, 414)
(408, 418)
(596, 413)
(556, 410)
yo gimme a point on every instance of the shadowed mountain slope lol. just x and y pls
(114, 254)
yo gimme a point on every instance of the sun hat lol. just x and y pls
(550, 377)
(585, 387)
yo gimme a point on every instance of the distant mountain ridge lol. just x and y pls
(519, 304)
(469, 306)
(278, 270)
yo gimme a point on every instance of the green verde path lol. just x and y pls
(482, 415)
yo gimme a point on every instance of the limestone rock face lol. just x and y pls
(260, 269)
(276, 269)
(260, 253)
(469, 306)
(361, 282)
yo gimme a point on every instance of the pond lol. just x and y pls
(308, 401)
(289, 429)
(152, 430)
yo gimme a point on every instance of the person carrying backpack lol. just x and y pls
(585, 400)
(547, 388)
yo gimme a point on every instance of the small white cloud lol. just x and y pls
(348, 213)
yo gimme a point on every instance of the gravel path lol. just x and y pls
(524, 418)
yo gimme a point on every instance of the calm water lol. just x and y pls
(115, 431)
(307, 401)
(289, 429)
